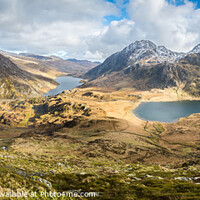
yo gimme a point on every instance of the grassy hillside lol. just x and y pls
(86, 140)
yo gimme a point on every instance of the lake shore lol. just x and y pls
(167, 95)
(65, 83)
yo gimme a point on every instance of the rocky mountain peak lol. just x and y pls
(143, 44)
(196, 49)
(147, 51)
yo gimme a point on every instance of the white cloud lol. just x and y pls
(50, 26)
(176, 27)
(74, 28)
(112, 38)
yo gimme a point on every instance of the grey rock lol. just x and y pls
(4, 148)
(63, 166)
(44, 181)
(183, 178)
(21, 173)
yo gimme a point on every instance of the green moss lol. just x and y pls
(158, 128)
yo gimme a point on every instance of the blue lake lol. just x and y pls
(168, 112)
(66, 83)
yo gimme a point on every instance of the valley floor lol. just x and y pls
(87, 140)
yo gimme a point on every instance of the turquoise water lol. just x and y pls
(66, 83)
(168, 112)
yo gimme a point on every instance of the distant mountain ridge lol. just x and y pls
(73, 66)
(84, 62)
(35, 56)
(30, 75)
(144, 65)
(73, 62)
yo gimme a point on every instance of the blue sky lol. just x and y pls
(123, 14)
(181, 2)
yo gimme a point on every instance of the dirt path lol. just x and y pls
(121, 109)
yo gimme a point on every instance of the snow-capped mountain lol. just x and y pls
(148, 52)
(144, 65)
(142, 52)
(196, 49)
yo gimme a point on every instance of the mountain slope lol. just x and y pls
(71, 67)
(16, 82)
(143, 65)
